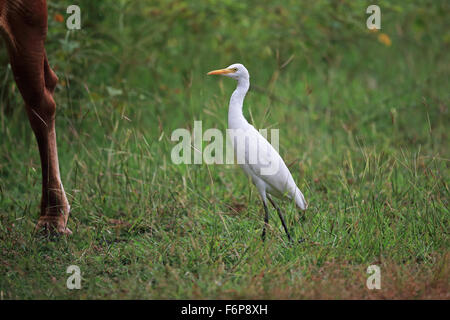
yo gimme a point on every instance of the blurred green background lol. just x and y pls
(363, 119)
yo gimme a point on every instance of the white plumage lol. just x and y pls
(255, 154)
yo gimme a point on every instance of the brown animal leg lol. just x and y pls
(36, 82)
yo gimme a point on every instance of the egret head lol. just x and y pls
(236, 71)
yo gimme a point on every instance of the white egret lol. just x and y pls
(258, 155)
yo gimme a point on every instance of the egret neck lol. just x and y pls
(236, 118)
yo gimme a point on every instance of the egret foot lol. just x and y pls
(266, 221)
(280, 214)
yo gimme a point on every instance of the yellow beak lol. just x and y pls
(220, 71)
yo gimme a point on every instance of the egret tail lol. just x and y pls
(300, 200)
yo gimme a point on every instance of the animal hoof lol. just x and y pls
(51, 226)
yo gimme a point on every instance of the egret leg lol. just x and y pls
(281, 218)
(266, 221)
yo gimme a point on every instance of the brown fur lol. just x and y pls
(23, 25)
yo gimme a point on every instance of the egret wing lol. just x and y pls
(265, 162)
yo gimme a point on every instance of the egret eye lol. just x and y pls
(235, 69)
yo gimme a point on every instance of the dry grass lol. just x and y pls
(342, 280)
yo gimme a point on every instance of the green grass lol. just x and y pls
(365, 130)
